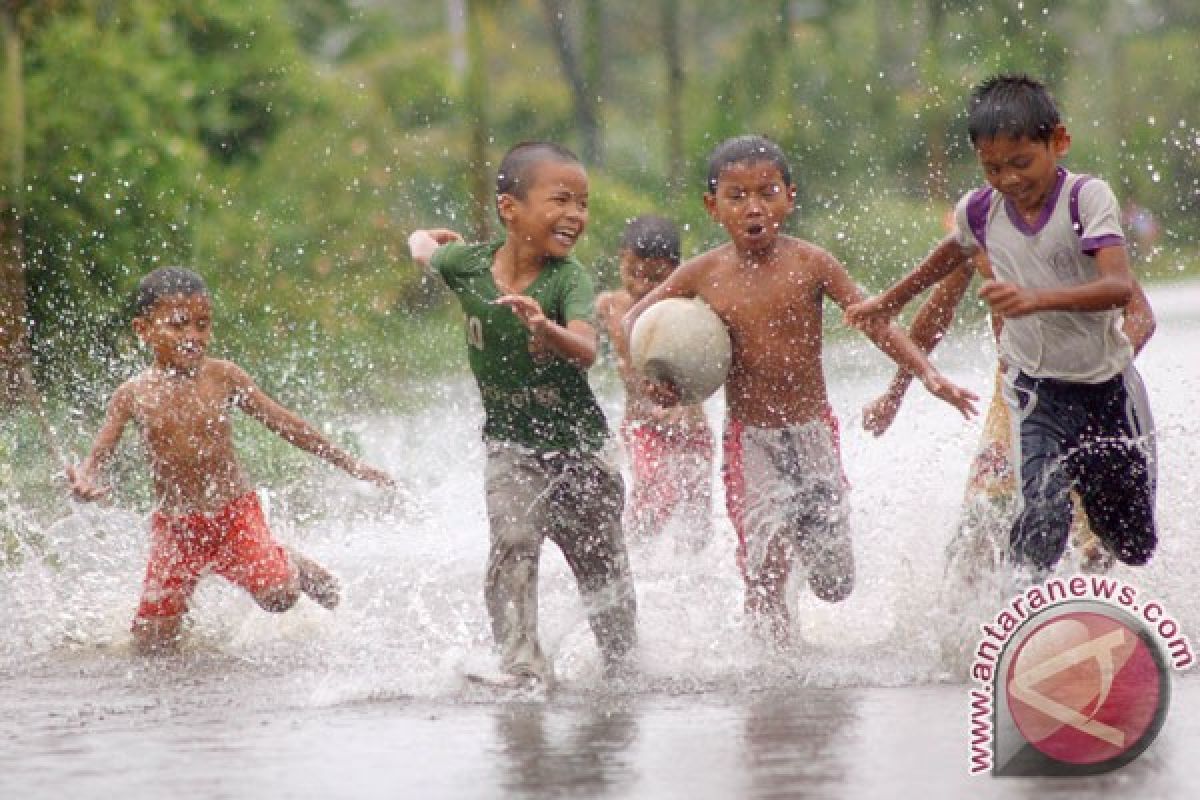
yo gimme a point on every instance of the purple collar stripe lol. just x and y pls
(1018, 221)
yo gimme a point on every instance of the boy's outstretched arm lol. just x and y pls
(423, 243)
(1112, 289)
(948, 256)
(928, 327)
(889, 338)
(295, 430)
(893, 341)
(84, 480)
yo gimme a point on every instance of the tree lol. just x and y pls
(13, 335)
(584, 72)
(476, 106)
(673, 103)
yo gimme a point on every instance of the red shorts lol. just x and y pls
(672, 471)
(233, 542)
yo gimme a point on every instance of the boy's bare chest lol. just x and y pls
(770, 302)
(187, 409)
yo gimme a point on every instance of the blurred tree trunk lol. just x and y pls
(479, 178)
(456, 23)
(936, 113)
(673, 54)
(595, 69)
(583, 78)
(13, 343)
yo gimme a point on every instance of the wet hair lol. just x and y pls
(747, 149)
(652, 237)
(1014, 105)
(165, 282)
(515, 175)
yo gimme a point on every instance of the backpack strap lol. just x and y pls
(979, 205)
(1073, 204)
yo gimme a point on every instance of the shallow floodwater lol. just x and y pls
(370, 700)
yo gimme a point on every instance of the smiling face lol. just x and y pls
(751, 201)
(178, 329)
(554, 211)
(1024, 170)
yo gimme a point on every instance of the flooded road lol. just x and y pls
(369, 701)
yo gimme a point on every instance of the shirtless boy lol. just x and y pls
(785, 491)
(207, 516)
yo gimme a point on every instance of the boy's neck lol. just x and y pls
(176, 372)
(516, 264)
(762, 257)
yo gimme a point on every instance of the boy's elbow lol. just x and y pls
(586, 359)
(1126, 292)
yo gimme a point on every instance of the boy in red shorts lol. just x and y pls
(207, 517)
(670, 449)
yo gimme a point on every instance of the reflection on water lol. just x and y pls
(370, 701)
(549, 753)
(796, 739)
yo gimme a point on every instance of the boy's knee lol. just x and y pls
(832, 588)
(515, 542)
(278, 599)
(1136, 553)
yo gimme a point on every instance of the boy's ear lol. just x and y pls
(505, 207)
(1060, 140)
(139, 327)
(710, 204)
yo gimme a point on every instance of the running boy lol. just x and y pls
(783, 476)
(528, 303)
(990, 500)
(670, 449)
(207, 515)
(1062, 276)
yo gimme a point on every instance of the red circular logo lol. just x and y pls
(1085, 688)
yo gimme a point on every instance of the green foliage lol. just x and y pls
(286, 149)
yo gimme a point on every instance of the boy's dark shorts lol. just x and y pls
(1095, 438)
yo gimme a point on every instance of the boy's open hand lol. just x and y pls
(865, 312)
(879, 414)
(1008, 299)
(960, 398)
(662, 393)
(82, 487)
(378, 477)
(528, 310)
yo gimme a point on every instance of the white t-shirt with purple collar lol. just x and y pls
(1081, 217)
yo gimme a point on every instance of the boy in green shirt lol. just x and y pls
(529, 343)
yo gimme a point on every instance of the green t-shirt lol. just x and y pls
(542, 402)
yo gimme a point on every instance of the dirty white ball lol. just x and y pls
(682, 341)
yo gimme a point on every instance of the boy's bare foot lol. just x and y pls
(157, 636)
(316, 581)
